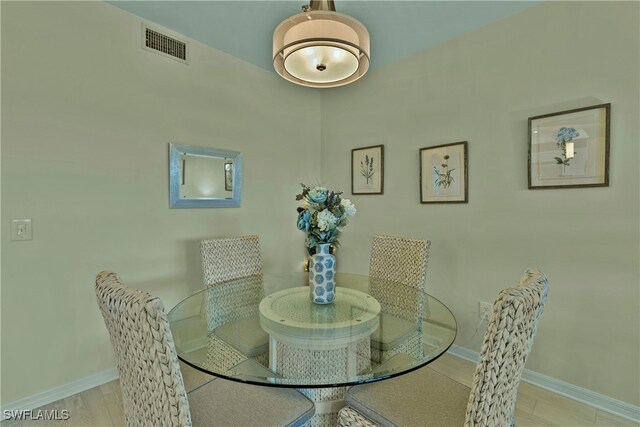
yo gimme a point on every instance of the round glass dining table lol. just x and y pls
(265, 330)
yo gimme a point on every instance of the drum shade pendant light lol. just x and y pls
(321, 47)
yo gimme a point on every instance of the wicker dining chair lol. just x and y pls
(427, 398)
(153, 392)
(233, 307)
(230, 258)
(398, 260)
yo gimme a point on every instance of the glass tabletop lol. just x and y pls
(265, 330)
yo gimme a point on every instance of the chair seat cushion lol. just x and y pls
(245, 334)
(391, 332)
(420, 398)
(229, 403)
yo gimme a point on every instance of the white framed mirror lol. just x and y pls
(203, 177)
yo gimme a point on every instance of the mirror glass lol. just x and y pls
(202, 177)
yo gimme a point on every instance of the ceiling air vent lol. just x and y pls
(161, 43)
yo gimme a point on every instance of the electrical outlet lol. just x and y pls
(21, 229)
(485, 309)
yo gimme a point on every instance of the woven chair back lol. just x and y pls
(400, 259)
(230, 258)
(227, 302)
(153, 392)
(507, 343)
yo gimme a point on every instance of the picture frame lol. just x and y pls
(569, 149)
(367, 170)
(228, 176)
(444, 173)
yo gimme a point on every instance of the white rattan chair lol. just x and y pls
(398, 260)
(427, 398)
(234, 307)
(153, 392)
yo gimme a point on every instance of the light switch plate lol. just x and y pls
(21, 230)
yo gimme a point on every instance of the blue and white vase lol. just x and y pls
(322, 273)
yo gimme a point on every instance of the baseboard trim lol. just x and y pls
(588, 397)
(60, 392)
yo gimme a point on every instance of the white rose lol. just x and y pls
(349, 208)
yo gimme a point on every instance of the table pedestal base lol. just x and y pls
(325, 365)
(328, 401)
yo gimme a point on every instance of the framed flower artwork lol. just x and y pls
(570, 149)
(443, 173)
(367, 170)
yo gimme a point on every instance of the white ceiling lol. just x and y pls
(397, 28)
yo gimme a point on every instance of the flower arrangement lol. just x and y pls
(322, 214)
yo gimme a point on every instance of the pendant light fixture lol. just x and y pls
(321, 47)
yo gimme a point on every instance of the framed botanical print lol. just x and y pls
(570, 148)
(443, 173)
(367, 170)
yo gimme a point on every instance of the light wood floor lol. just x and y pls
(102, 406)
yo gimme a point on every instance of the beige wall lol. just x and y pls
(482, 87)
(87, 116)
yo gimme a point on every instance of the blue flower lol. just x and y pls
(303, 221)
(317, 195)
(566, 135)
